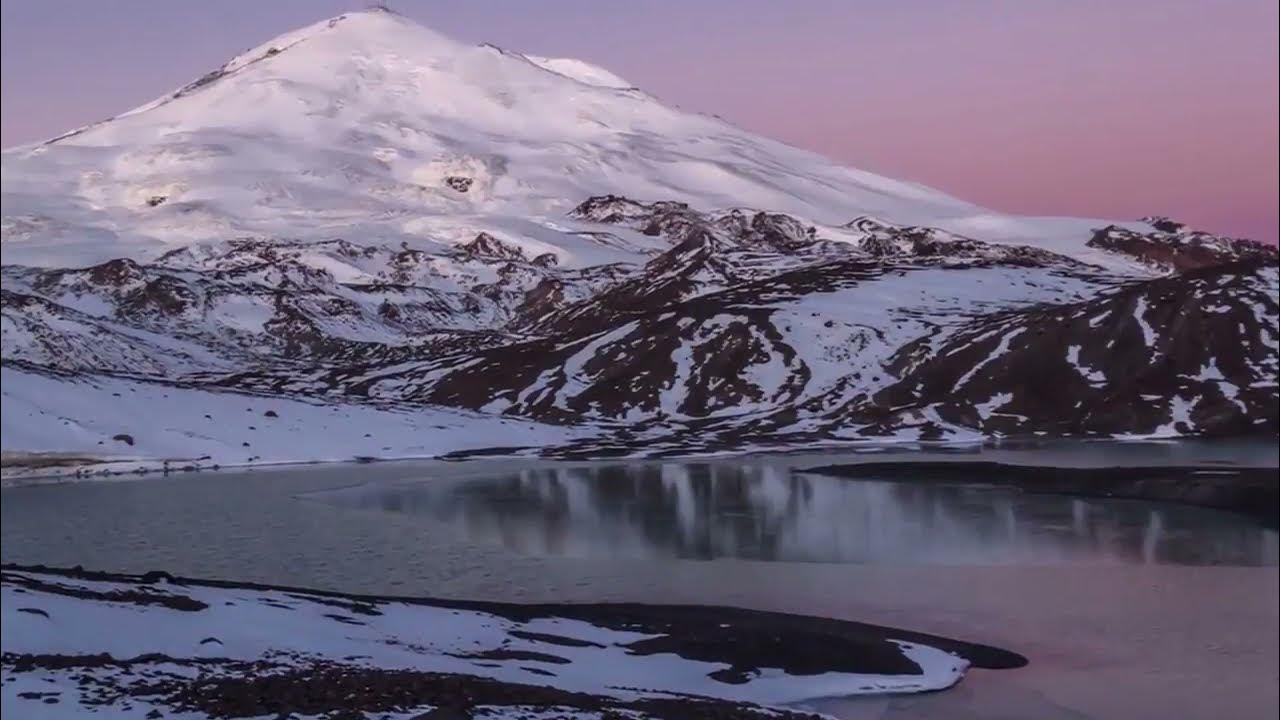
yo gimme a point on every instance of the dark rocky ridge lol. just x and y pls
(1174, 246)
(1211, 348)
(749, 329)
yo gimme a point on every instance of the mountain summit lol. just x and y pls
(447, 242)
(366, 123)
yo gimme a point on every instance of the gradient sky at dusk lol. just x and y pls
(1071, 107)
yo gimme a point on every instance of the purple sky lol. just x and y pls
(1076, 107)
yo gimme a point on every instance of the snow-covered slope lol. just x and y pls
(581, 71)
(353, 127)
(364, 211)
(151, 646)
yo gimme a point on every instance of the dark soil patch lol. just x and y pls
(137, 597)
(504, 654)
(330, 688)
(552, 639)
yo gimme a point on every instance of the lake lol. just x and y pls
(362, 527)
(1094, 591)
(692, 511)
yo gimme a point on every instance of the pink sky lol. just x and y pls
(1071, 107)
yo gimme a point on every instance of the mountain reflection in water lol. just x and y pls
(709, 511)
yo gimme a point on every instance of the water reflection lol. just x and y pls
(707, 511)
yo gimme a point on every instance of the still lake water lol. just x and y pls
(708, 512)
(1119, 605)
(421, 526)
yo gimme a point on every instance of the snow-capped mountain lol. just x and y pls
(366, 215)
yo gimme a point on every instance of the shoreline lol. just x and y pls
(1251, 491)
(981, 656)
(21, 467)
(275, 649)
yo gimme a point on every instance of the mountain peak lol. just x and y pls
(370, 125)
(372, 62)
(366, 210)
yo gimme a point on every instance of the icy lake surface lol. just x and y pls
(418, 526)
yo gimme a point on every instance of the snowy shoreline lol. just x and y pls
(112, 426)
(175, 429)
(134, 645)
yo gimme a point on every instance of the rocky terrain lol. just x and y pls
(553, 250)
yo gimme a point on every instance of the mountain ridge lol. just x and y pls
(365, 217)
